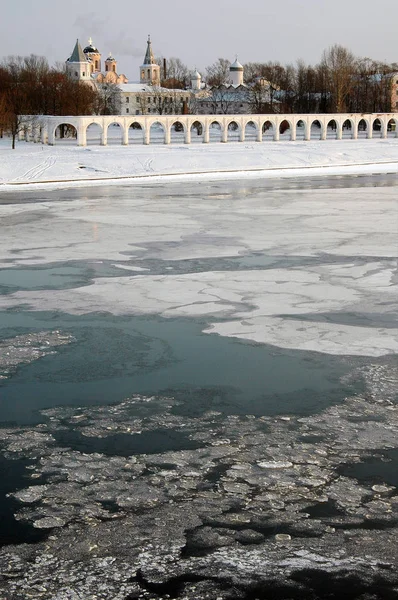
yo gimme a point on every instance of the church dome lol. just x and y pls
(110, 58)
(196, 75)
(90, 49)
(236, 66)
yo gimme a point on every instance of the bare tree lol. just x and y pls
(15, 96)
(220, 100)
(259, 98)
(217, 74)
(177, 74)
(339, 65)
(108, 99)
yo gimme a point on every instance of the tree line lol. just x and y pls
(340, 82)
(29, 86)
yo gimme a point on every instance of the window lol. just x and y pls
(149, 110)
(76, 74)
(127, 100)
(83, 74)
(127, 110)
(137, 112)
(137, 99)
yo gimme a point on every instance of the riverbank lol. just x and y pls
(37, 165)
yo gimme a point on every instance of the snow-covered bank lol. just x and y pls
(68, 164)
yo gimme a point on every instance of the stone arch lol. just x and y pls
(362, 128)
(332, 129)
(301, 129)
(114, 131)
(348, 129)
(285, 129)
(233, 131)
(136, 132)
(251, 131)
(177, 132)
(268, 130)
(65, 132)
(215, 131)
(94, 133)
(197, 130)
(377, 128)
(316, 130)
(157, 133)
(392, 127)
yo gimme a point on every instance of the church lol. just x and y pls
(146, 96)
(85, 65)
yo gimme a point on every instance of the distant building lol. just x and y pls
(231, 98)
(147, 96)
(85, 65)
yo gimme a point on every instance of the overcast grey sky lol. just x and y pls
(200, 32)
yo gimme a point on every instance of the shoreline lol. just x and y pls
(387, 168)
(35, 166)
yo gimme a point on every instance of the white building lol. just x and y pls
(147, 96)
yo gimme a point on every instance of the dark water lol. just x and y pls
(14, 475)
(115, 357)
(382, 468)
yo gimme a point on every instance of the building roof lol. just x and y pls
(90, 48)
(149, 58)
(196, 75)
(110, 58)
(142, 87)
(135, 87)
(77, 55)
(236, 66)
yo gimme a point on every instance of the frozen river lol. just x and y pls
(167, 288)
(231, 299)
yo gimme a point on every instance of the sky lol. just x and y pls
(200, 32)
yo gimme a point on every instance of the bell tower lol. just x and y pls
(149, 70)
(110, 64)
(94, 56)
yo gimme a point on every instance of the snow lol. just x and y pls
(35, 163)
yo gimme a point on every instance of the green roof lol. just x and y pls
(149, 57)
(78, 54)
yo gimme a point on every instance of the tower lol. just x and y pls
(94, 57)
(149, 70)
(77, 66)
(110, 64)
(196, 81)
(236, 73)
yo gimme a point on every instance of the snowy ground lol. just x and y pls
(35, 163)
